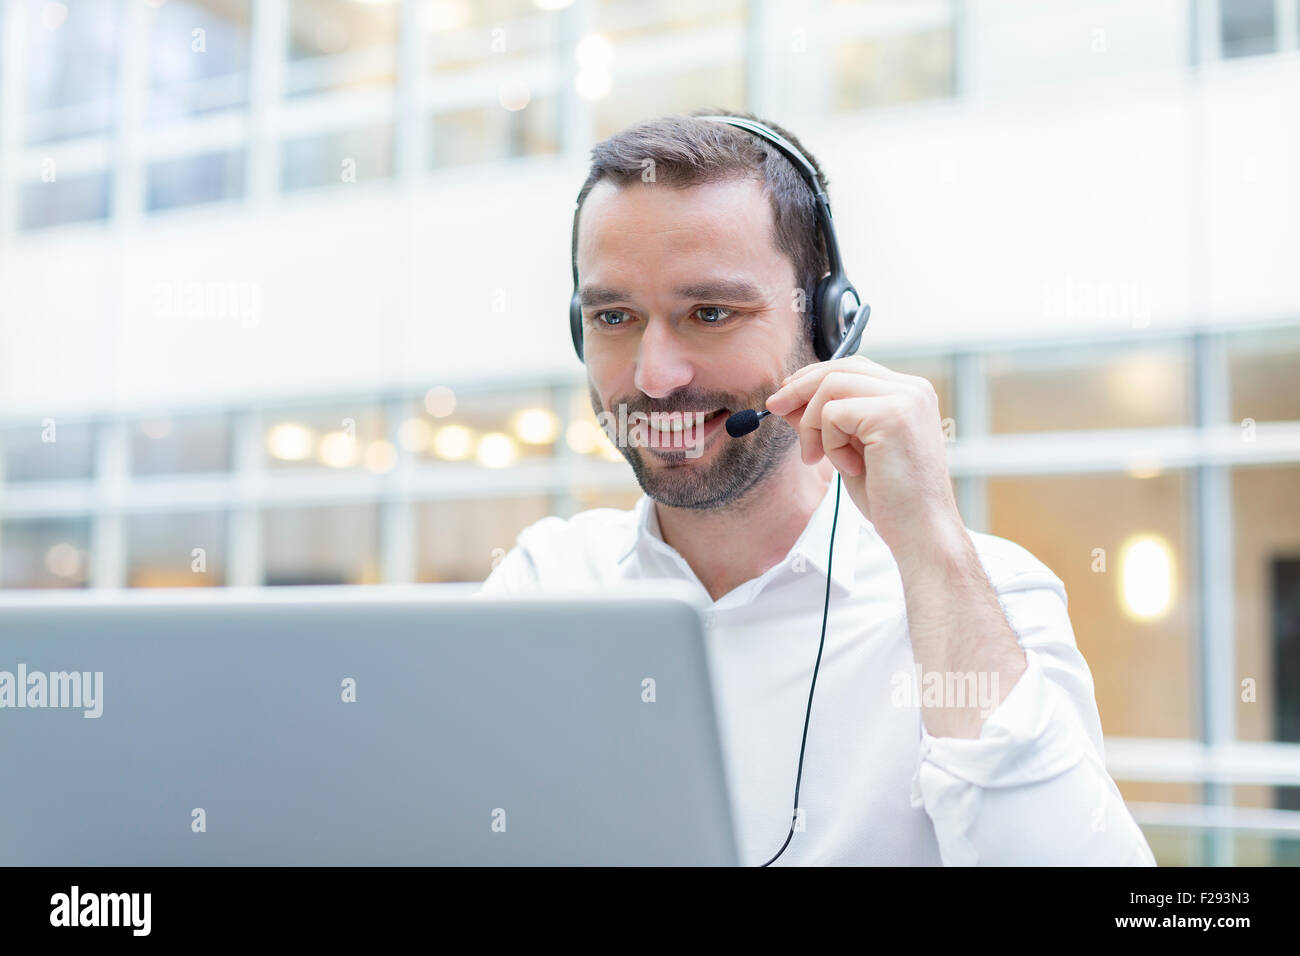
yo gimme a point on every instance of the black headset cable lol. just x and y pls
(808, 713)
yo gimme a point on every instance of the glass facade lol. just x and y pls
(366, 92)
(1111, 387)
(199, 57)
(191, 180)
(47, 450)
(443, 527)
(181, 549)
(73, 51)
(881, 71)
(339, 45)
(1248, 27)
(1262, 374)
(45, 552)
(181, 444)
(1108, 538)
(321, 544)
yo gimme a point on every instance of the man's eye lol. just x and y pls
(617, 317)
(712, 314)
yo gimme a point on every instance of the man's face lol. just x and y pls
(688, 306)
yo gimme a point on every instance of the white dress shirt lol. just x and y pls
(877, 787)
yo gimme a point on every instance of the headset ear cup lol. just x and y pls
(818, 307)
(830, 295)
(575, 325)
(836, 299)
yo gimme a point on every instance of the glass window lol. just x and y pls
(635, 98)
(622, 499)
(342, 437)
(1266, 589)
(330, 544)
(44, 552)
(880, 70)
(631, 20)
(628, 37)
(936, 369)
(1266, 592)
(208, 177)
(1089, 387)
(486, 429)
(1254, 850)
(174, 445)
(66, 199)
(1190, 846)
(1121, 546)
(48, 450)
(489, 33)
(463, 540)
(584, 434)
(199, 53)
(1247, 26)
(337, 158)
(185, 550)
(71, 71)
(1264, 375)
(484, 133)
(337, 44)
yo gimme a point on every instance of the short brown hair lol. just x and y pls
(688, 151)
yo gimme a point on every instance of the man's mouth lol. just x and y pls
(671, 423)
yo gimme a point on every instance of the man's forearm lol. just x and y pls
(959, 632)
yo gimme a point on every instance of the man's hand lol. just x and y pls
(881, 431)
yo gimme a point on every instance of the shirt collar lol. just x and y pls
(808, 553)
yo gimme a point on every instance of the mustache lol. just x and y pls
(682, 405)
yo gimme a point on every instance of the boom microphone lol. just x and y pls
(742, 423)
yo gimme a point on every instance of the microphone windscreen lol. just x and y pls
(742, 423)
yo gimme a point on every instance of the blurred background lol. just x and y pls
(283, 291)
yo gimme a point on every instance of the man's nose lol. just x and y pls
(663, 362)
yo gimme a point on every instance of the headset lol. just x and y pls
(838, 321)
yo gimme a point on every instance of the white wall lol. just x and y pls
(1015, 47)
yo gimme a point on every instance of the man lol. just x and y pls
(954, 719)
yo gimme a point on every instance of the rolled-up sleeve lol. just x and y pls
(1033, 788)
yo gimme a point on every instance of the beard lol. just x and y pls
(738, 466)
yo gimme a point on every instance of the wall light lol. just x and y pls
(1146, 577)
(453, 442)
(536, 426)
(290, 442)
(496, 450)
(338, 450)
(440, 401)
(381, 456)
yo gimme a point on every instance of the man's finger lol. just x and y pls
(800, 391)
(858, 363)
(840, 446)
(845, 420)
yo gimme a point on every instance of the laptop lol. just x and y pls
(359, 726)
